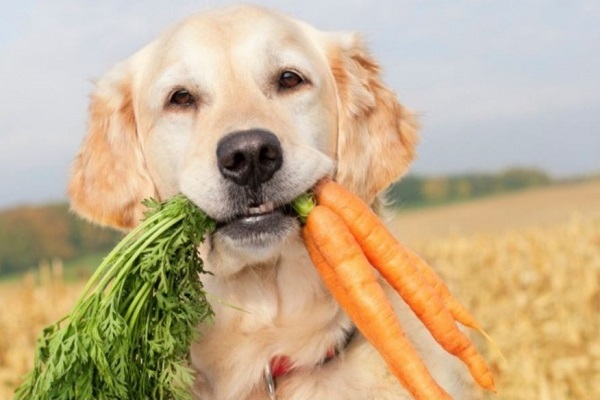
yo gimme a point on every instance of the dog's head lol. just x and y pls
(241, 110)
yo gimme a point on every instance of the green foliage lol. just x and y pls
(129, 333)
(30, 234)
(415, 191)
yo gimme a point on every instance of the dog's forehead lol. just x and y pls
(238, 28)
(239, 44)
(222, 50)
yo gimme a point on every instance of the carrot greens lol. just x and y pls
(303, 205)
(129, 333)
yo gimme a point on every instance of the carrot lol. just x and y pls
(459, 312)
(416, 282)
(353, 283)
(334, 193)
(413, 279)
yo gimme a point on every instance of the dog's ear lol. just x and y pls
(109, 177)
(376, 135)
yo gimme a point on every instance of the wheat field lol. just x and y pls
(527, 265)
(537, 292)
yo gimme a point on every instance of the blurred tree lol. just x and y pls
(30, 234)
(435, 190)
(463, 188)
(518, 178)
(415, 191)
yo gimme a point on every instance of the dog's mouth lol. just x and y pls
(255, 213)
(260, 224)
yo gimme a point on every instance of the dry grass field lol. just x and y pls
(27, 307)
(527, 264)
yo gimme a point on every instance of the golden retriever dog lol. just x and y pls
(242, 110)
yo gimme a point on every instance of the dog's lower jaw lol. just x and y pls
(228, 257)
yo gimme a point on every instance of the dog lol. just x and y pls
(243, 109)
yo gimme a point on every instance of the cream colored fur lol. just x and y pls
(345, 123)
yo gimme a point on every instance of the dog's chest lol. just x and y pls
(266, 313)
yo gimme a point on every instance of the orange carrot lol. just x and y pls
(416, 283)
(458, 311)
(335, 194)
(351, 280)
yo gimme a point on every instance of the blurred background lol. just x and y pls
(504, 198)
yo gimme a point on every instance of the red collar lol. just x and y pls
(281, 365)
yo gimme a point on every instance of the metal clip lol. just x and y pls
(270, 381)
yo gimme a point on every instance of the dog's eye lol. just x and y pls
(182, 98)
(289, 80)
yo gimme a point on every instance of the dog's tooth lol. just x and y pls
(267, 207)
(261, 209)
(253, 210)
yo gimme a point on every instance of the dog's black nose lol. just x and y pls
(250, 157)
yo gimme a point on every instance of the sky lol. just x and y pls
(495, 83)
